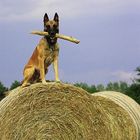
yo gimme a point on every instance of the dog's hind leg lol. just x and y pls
(28, 74)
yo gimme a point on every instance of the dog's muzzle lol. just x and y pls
(52, 33)
(52, 37)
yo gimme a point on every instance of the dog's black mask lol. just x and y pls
(52, 27)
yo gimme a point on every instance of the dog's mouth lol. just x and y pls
(51, 34)
(52, 39)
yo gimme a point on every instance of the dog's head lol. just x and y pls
(52, 27)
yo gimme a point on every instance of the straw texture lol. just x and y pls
(59, 111)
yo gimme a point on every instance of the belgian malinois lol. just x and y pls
(44, 54)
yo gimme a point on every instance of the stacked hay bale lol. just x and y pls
(59, 111)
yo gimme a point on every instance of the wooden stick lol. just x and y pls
(68, 38)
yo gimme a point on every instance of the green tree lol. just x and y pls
(15, 84)
(100, 87)
(85, 86)
(3, 89)
(123, 87)
(134, 89)
(92, 89)
(82, 85)
(137, 80)
(134, 92)
(110, 86)
(117, 86)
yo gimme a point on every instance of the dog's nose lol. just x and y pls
(52, 33)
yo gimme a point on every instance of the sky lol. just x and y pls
(109, 31)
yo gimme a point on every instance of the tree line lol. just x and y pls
(132, 90)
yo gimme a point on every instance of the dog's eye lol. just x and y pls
(48, 26)
(54, 26)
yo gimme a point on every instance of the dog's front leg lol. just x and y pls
(42, 70)
(55, 66)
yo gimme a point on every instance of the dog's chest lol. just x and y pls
(49, 52)
(49, 56)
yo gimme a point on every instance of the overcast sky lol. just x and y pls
(109, 31)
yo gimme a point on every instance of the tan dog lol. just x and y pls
(44, 54)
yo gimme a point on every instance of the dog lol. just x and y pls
(45, 53)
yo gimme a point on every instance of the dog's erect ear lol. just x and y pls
(46, 18)
(56, 17)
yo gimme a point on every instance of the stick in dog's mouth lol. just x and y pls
(68, 38)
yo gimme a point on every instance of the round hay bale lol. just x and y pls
(125, 102)
(59, 111)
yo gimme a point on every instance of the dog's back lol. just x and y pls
(38, 52)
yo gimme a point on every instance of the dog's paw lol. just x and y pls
(25, 84)
(44, 82)
(58, 81)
